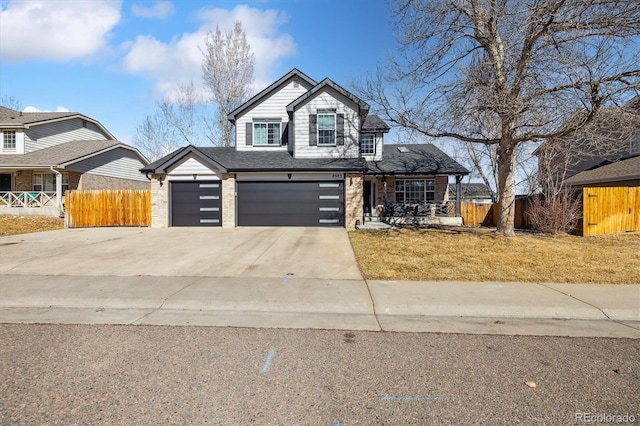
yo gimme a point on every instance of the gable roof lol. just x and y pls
(373, 123)
(364, 107)
(408, 159)
(627, 169)
(12, 119)
(233, 115)
(64, 154)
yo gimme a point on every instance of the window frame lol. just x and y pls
(38, 181)
(12, 139)
(373, 144)
(269, 125)
(333, 135)
(428, 191)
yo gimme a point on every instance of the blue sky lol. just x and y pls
(113, 59)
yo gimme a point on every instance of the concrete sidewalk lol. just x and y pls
(593, 310)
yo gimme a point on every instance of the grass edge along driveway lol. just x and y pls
(473, 254)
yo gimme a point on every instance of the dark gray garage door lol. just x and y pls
(196, 203)
(291, 203)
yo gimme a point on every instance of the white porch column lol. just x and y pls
(58, 190)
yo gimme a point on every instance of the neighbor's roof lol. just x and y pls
(227, 159)
(10, 119)
(624, 170)
(399, 159)
(63, 154)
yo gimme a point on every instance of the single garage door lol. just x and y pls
(196, 203)
(291, 203)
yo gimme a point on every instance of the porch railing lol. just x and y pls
(27, 199)
(429, 209)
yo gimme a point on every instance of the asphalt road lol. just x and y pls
(65, 374)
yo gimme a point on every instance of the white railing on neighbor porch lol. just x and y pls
(27, 199)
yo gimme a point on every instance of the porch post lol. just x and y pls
(58, 190)
(458, 191)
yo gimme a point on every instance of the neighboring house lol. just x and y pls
(610, 138)
(44, 154)
(624, 172)
(474, 192)
(306, 154)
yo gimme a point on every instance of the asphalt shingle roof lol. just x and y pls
(420, 159)
(416, 159)
(11, 117)
(623, 170)
(374, 123)
(56, 155)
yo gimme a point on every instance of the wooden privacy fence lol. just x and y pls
(474, 214)
(610, 210)
(116, 207)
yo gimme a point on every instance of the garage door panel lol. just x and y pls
(196, 203)
(290, 203)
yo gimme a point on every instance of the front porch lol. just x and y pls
(31, 203)
(410, 200)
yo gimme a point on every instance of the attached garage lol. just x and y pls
(290, 203)
(196, 203)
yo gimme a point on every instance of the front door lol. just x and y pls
(5, 182)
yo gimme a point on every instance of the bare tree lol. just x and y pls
(507, 72)
(227, 69)
(11, 102)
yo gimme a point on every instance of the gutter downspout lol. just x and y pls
(58, 191)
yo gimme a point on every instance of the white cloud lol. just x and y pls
(55, 29)
(162, 9)
(180, 60)
(31, 108)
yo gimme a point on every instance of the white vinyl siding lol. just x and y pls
(117, 163)
(56, 133)
(273, 107)
(190, 167)
(328, 99)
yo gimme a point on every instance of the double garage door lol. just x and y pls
(288, 203)
(291, 203)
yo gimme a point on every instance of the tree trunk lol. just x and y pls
(506, 188)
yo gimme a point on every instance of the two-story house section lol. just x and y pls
(45, 154)
(307, 154)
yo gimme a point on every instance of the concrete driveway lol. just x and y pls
(318, 253)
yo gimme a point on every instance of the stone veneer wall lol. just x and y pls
(442, 188)
(228, 200)
(353, 200)
(24, 180)
(159, 201)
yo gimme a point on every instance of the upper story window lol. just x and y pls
(9, 140)
(415, 190)
(326, 129)
(367, 144)
(266, 133)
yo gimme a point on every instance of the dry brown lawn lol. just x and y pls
(12, 225)
(472, 254)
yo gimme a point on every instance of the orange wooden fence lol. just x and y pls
(610, 210)
(108, 208)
